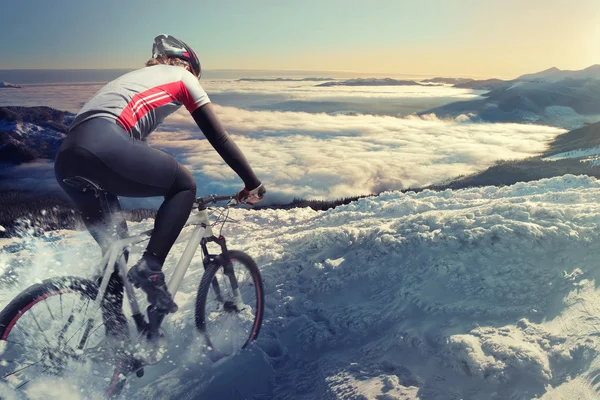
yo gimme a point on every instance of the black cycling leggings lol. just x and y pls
(102, 151)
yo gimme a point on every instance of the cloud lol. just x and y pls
(324, 156)
(308, 91)
(287, 96)
(61, 97)
(313, 155)
(37, 175)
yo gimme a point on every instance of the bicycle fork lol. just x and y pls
(228, 270)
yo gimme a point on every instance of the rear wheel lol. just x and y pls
(51, 330)
(230, 319)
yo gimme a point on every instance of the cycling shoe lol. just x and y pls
(147, 275)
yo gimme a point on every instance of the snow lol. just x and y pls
(28, 130)
(514, 85)
(9, 85)
(590, 155)
(485, 293)
(580, 153)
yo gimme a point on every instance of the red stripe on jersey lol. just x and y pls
(158, 96)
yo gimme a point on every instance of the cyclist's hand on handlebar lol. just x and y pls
(251, 196)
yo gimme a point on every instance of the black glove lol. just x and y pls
(251, 196)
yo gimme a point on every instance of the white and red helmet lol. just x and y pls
(170, 46)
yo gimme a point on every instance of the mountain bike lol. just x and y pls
(57, 325)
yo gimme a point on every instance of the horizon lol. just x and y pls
(291, 73)
(430, 38)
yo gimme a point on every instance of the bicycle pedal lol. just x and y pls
(140, 372)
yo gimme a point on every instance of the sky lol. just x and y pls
(473, 38)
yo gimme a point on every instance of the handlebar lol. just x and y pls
(202, 202)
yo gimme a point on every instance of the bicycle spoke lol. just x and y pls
(25, 333)
(40, 328)
(80, 308)
(23, 384)
(82, 322)
(27, 346)
(29, 380)
(86, 334)
(48, 307)
(31, 349)
(65, 328)
(76, 332)
(245, 280)
(21, 369)
(87, 304)
(227, 318)
(227, 323)
(99, 326)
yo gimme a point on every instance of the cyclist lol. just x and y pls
(106, 144)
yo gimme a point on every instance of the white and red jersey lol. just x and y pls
(140, 100)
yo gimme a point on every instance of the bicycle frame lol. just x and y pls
(200, 219)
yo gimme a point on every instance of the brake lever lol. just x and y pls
(233, 202)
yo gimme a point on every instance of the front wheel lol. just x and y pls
(231, 315)
(50, 330)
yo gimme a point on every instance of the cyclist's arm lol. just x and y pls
(195, 99)
(210, 125)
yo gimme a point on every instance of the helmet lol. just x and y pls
(170, 46)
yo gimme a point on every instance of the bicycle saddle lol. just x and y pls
(83, 184)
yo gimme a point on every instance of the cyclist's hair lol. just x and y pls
(162, 59)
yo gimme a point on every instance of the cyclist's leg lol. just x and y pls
(101, 151)
(104, 228)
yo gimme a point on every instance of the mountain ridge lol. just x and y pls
(31, 133)
(567, 99)
(553, 73)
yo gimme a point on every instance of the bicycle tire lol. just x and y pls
(206, 284)
(26, 300)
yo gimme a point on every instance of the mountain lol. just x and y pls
(284, 79)
(7, 85)
(30, 133)
(576, 152)
(583, 139)
(371, 82)
(554, 74)
(568, 103)
(450, 81)
(567, 99)
(484, 293)
(487, 84)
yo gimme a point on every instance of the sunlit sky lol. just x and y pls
(481, 38)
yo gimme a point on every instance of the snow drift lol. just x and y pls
(486, 293)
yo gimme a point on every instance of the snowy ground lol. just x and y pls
(486, 293)
(591, 155)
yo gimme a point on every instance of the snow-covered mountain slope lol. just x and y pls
(371, 82)
(555, 74)
(487, 293)
(8, 85)
(30, 133)
(591, 155)
(24, 142)
(568, 103)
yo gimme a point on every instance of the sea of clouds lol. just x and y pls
(330, 156)
(302, 153)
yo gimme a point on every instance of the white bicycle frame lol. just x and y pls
(203, 229)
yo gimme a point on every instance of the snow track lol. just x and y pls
(485, 293)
